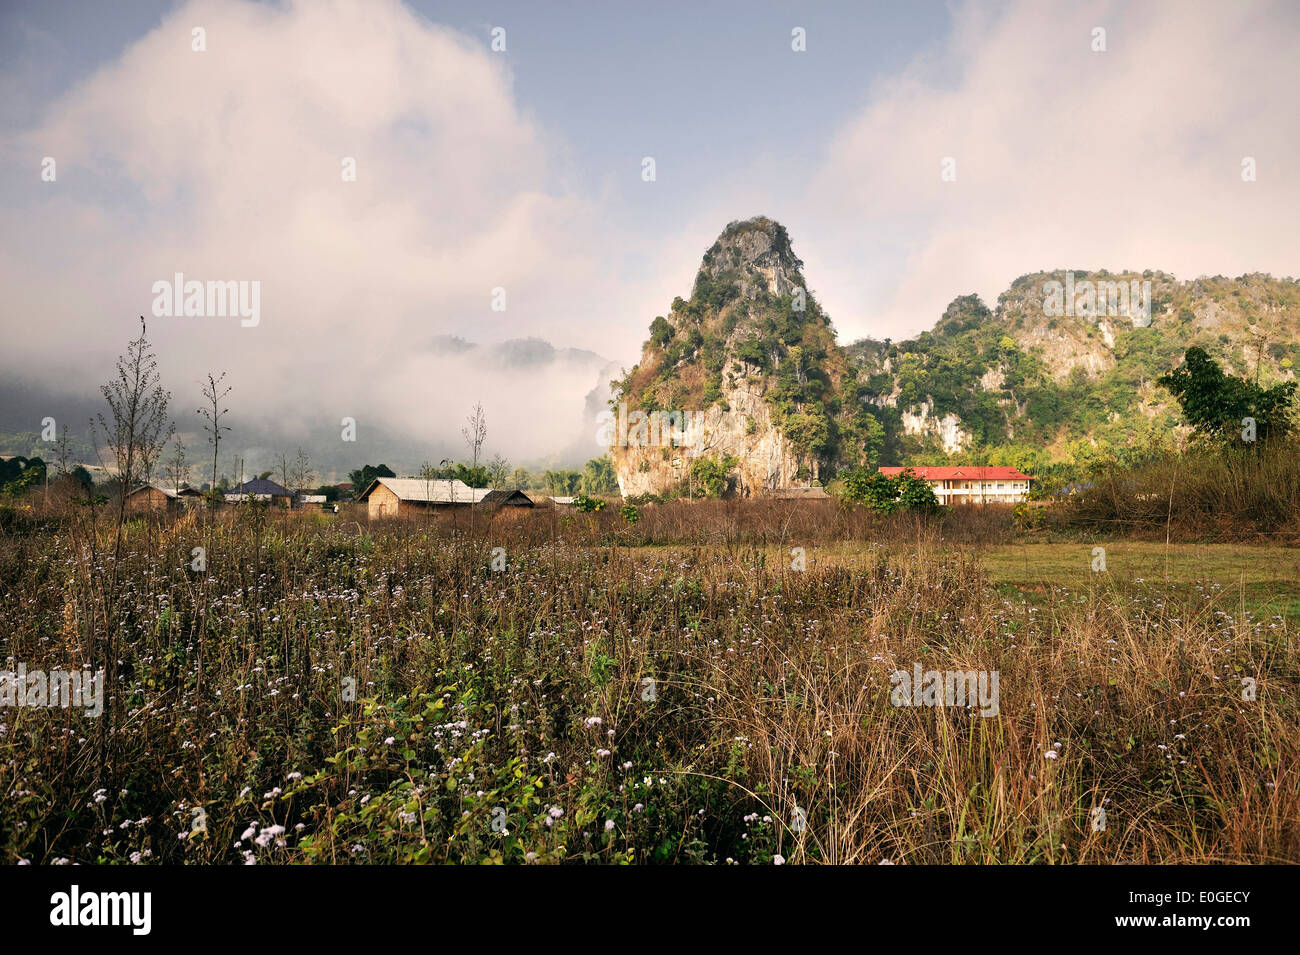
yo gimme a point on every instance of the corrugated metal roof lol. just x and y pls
(443, 491)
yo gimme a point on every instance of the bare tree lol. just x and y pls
(213, 413)
(283, 467)
(178, 468)
(301, 473)
(475, 432)
(428, 473)
(62, 453)
(498, 471)
(140, 427)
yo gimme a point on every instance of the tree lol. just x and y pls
(213, 413)
(475, 432)
(661, 333)
(561, 482)
(428, 473)
(18, 474)
(301, 474)
(521, 478)
(362, 477)
(598, 477)
(178, 469)
(498, 470)
(712, 474)
(62, 453)
(139, 425)
(883, 494)
(1215, 403)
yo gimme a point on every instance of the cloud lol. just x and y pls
(226, 165)
(1065, 157)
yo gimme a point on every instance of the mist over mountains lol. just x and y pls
(541, 404)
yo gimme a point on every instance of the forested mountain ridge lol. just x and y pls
(1024, 376)
(1063, 364)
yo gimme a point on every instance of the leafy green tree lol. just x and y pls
(598, 477)
(905, 492)
(661, 332)
(362, 477)
(1215, 403)
(18, 474)
(562, 482)
(711, 475)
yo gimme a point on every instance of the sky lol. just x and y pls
(515, 177)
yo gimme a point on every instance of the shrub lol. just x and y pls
(884, 494)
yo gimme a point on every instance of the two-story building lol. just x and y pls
(972, 485)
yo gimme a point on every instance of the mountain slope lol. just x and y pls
(1023, 374)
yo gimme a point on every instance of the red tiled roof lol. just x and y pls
(968, 473)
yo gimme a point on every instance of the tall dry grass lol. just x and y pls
(593, 702)
(1232, 492)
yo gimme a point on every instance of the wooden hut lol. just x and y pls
(151, 497)
(496, 500)
(402, 497)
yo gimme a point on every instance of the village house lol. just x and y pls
(314, 502)
(150, 497)
(495, 500)
(261, 489)
(972, 485)
(401, 497)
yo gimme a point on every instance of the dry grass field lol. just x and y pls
(330, 690)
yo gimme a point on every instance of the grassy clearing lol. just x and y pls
(1265, 579)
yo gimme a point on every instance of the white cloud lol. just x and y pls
(1066, 158)
(226, 164)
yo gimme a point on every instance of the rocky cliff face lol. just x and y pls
(764, 458)
(751, 365)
